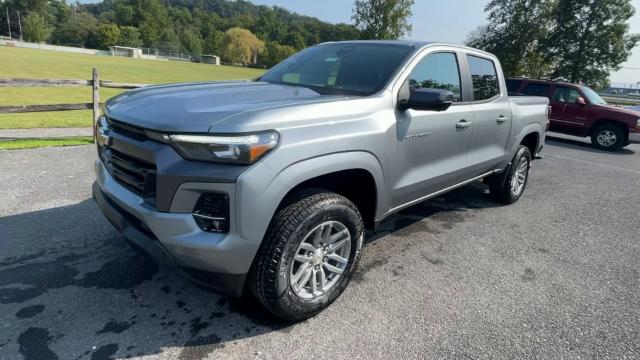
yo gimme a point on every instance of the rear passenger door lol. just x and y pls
(492, 114)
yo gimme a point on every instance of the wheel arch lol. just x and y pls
(256, 215)
(530, 135)
(531, 141)
(596, 124)
(357, 175)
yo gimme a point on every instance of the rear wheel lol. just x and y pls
(507, 188)
(309, 255)
(608, 137)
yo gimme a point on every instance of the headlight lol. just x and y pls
(237, 149)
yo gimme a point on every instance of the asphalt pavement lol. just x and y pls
(554, 276)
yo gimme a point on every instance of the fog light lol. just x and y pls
(211, 213)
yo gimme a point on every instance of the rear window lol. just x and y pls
(536, 90)
(485, 78)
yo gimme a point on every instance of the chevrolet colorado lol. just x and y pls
(267, 185)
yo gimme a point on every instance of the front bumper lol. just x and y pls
(217, 260)
(634, 137)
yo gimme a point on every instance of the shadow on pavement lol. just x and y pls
(584, 146)
(72, 289)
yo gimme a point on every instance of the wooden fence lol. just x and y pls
(94, 105)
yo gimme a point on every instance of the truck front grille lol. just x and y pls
(136, 175)
(127, 130)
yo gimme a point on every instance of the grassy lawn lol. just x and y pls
(44, 142)
(41, 64)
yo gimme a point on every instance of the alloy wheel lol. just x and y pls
(519, 178)
(320, 260)
(607, 138)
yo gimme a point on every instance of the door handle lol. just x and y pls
(463, 124)
(501, 119)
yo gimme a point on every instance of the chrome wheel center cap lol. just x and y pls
(317, 257)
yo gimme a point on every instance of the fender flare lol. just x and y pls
(529, 129)
(272, 193)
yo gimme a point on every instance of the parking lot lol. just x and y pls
(553, 276)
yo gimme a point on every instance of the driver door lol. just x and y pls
(432, 145)
(565, 113)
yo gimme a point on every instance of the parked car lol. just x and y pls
(268, 185)
(578, 110)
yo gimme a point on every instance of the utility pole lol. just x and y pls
(19, 24)
(8, 22)
(75, 8)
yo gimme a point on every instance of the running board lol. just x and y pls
(440, 192)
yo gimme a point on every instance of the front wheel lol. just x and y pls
(608, 137)
(508, 188)
(310, 253)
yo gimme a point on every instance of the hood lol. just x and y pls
(631, 114)
(195, 107)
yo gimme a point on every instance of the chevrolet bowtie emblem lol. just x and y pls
(103, 137)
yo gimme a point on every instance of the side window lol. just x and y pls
(565, 95)
(437, 71)
(485, 78)
(536, 90)
(513, 85)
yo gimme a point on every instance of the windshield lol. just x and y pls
(593, 96)
(341, 68)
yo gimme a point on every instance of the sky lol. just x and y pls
(436, 20)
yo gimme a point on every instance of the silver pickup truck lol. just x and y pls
(266, 186)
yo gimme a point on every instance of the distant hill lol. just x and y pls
(192, 26)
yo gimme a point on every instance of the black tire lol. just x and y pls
(269, 279)
(500, 185)
(602, 135)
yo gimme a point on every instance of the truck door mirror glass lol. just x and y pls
(580, 101)
(428, 99)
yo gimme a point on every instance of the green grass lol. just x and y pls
(44, 142)
(36, 64)
(41, 64)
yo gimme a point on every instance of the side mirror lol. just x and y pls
(580, 101)
(428, 99)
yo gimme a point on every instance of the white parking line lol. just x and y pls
(592, 163)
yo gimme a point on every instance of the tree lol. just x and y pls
(75, 30)
(129, 36)
(213, 44)
(36, 28)
(241, 46)
(516, 34)
(275, 53)
(590, 39)
(191, 41)
(174, 25)
(295, 40)
(581, 41)
(108, 35)
(383, 19)
(124, 13)
(152, 20)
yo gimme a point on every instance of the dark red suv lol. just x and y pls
(578, 110)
